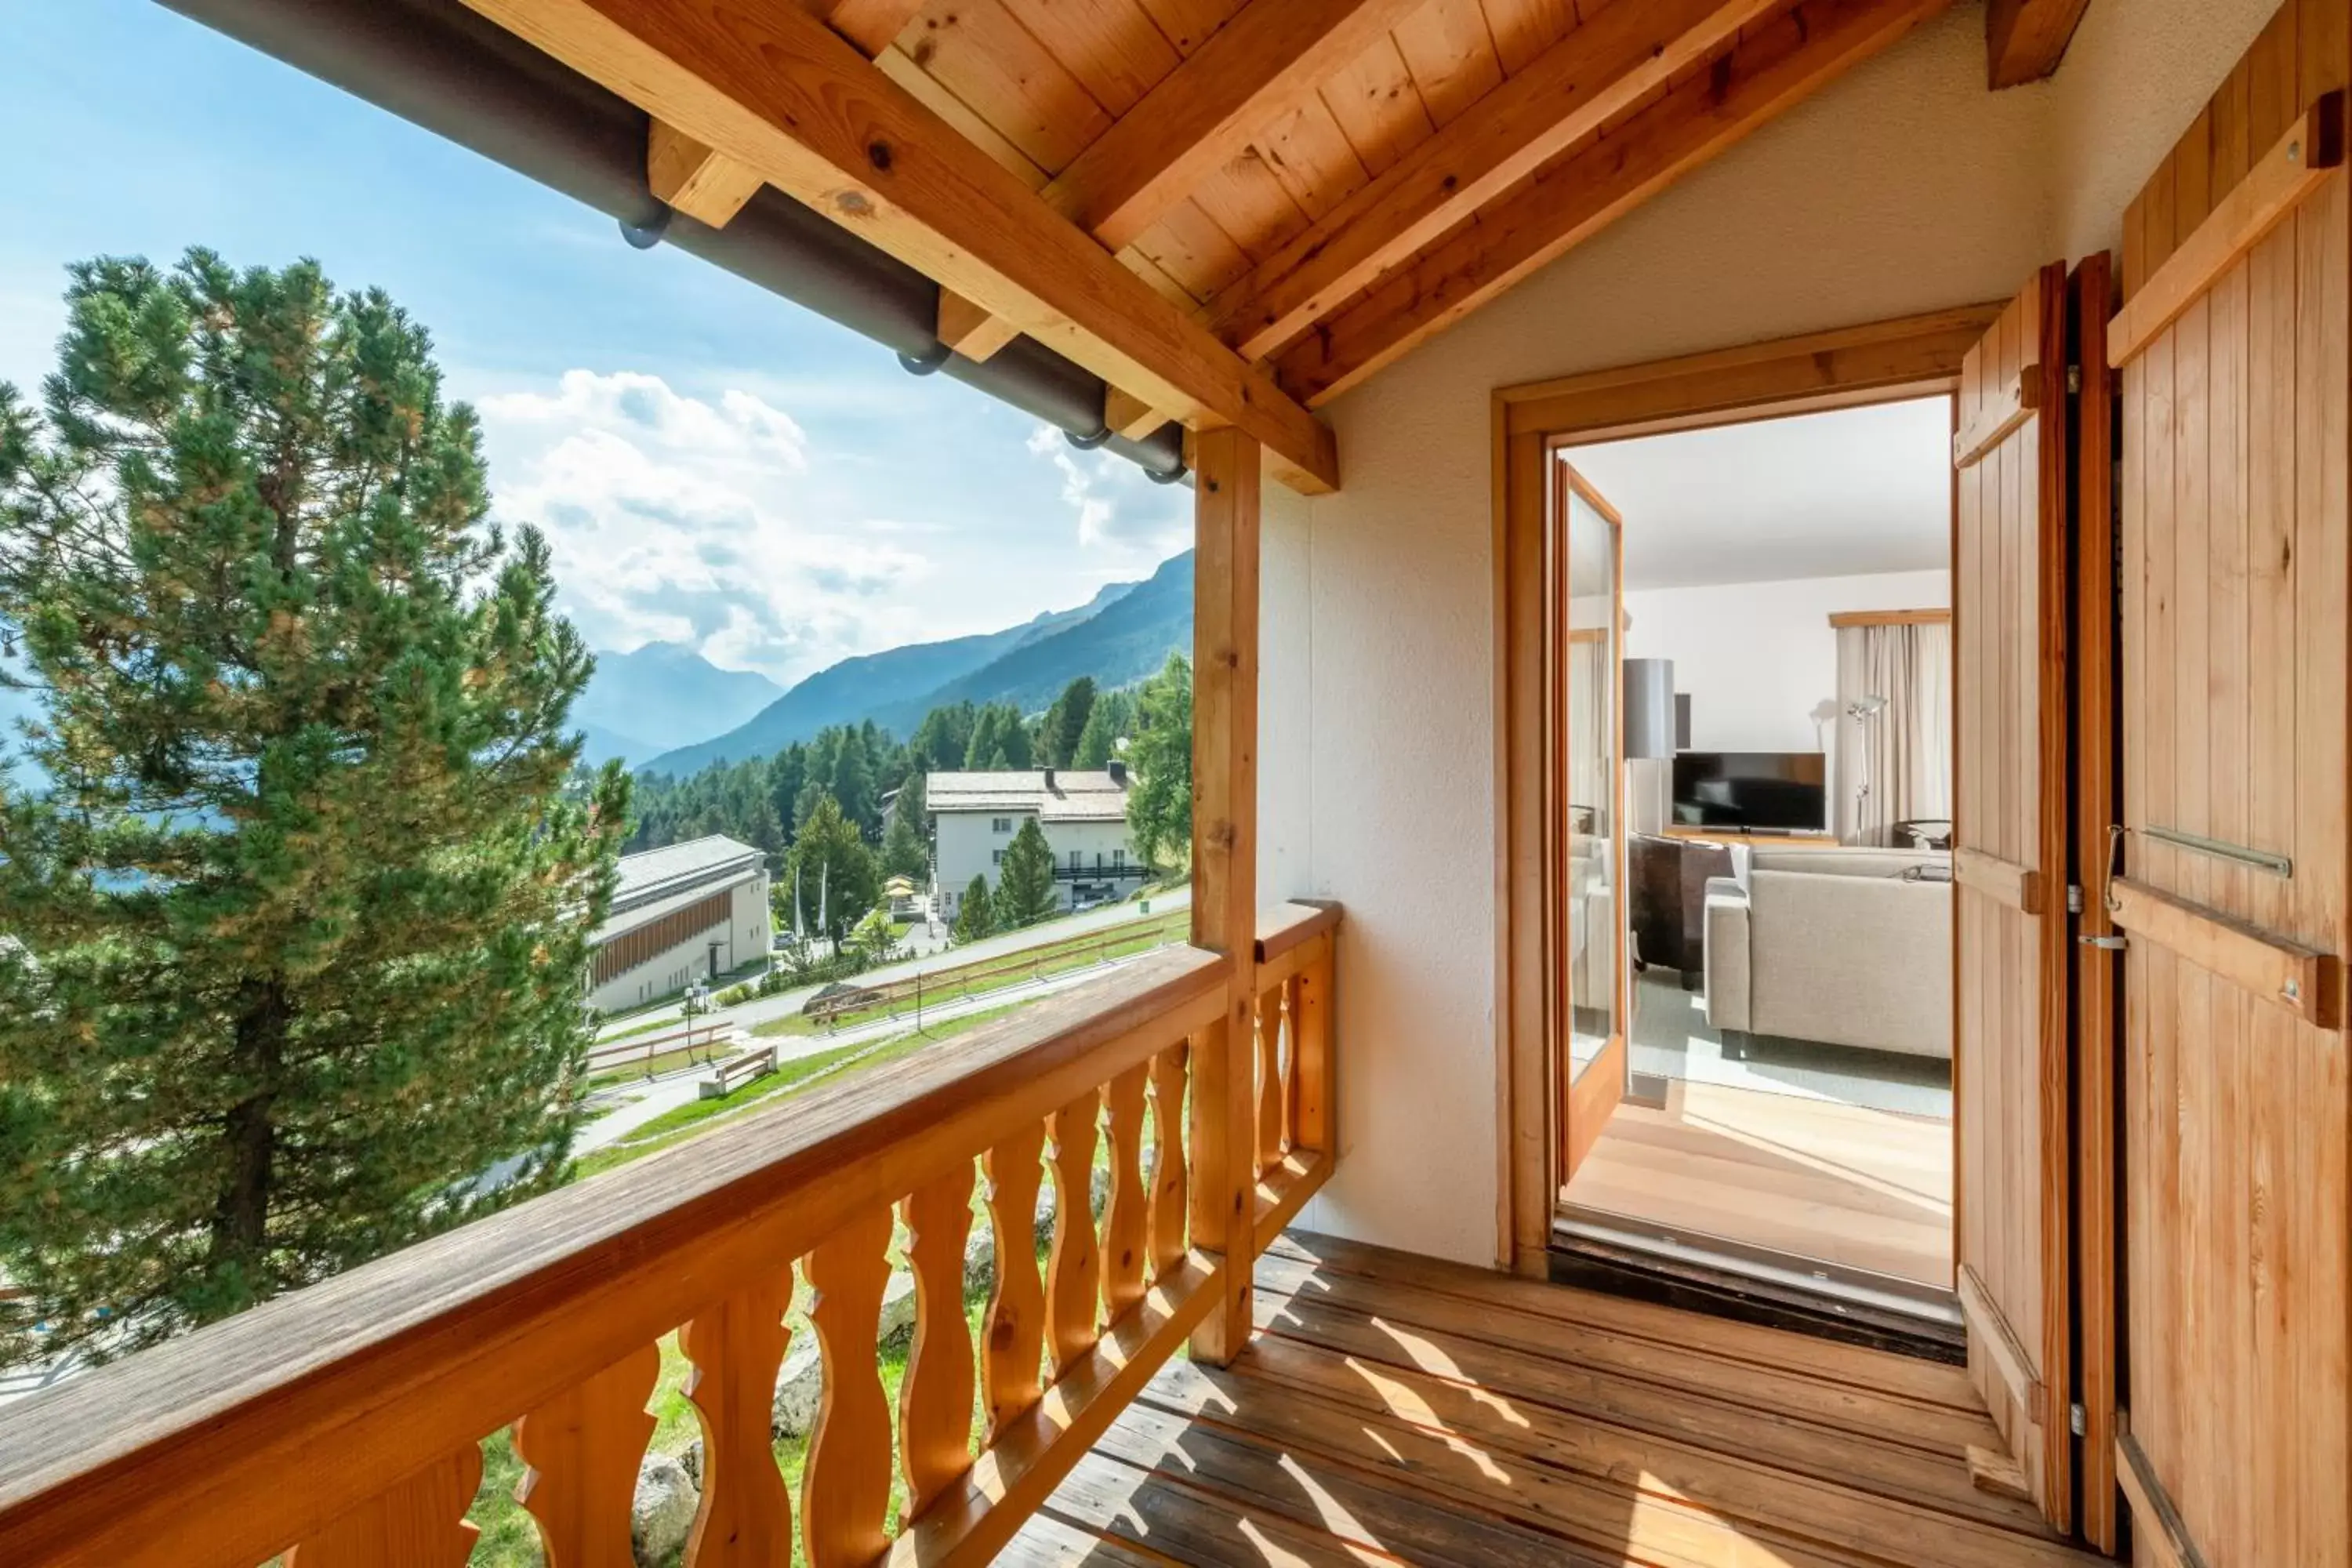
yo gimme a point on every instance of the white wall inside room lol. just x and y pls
(1837, 494)
(1903, 187)
(1758, 659)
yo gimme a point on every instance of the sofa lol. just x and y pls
(1849, 946)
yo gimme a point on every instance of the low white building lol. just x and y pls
(685, 912)
(1082, 815)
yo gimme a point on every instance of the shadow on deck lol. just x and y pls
(1394, 1408)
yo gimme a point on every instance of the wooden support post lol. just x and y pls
(1224, 869)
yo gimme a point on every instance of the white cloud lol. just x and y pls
(1117, 504)
(678, 520)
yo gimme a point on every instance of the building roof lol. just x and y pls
(1054, 794)
(674, 876)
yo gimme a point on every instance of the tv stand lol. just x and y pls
(1749, 835)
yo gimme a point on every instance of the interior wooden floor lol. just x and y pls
(1841, 1183)
(1396, 1409)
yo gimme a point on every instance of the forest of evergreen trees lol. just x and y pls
(766, 801)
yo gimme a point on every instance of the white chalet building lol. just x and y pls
(682, 913)
(1082, 815)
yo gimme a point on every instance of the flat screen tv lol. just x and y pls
(1759, 790)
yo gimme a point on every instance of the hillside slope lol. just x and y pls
(874, 685)
(662, 695)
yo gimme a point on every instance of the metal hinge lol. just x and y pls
(2073, 898)
(2075, 379)
(2078, 1419)
(2106, 944)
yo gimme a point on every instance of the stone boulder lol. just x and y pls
(662, 1514)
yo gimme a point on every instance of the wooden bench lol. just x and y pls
(736, 1071)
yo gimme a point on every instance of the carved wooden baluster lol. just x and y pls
(417, 1523)
(1126, 1233)
(1073, 1265)
(583, 1447)
(1310, 1034)
(1290, 1074)
(737, 1345)
(1269, 1080)
(1013, 1335)
(1169, 1191)
(846, 1489)
(935, 1398)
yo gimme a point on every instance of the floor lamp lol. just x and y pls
(1864, 713)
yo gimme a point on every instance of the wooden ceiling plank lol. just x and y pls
(707, 186)
(2025, 40)
(1524, 29)
(1451, 57)
(1189, 24)
(1254, 69)
(979, 51)
(780, 92)
(1595, 73)
(1777, 64)
(1249, 202)
(872, 25)
(1112, 47)
(1375, 101)
(1309, 154)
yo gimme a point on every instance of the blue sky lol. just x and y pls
(716, 466)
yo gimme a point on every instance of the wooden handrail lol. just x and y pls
(354, 1401)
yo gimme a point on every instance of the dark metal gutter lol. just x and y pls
(441, 66)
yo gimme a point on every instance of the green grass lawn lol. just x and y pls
(675, 1126)
(1158, 931)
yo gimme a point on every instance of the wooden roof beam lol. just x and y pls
(2025, 40)
(1266, 61)
(778, 91)
(872, 25)
(1598, 72)
(1777, 63)
(689, 177)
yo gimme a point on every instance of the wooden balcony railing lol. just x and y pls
(342, 1423)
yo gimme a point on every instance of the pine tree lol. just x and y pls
(976, 916)
(1160, 806)
(298, 932)
(1025, 879)
(903, 851)
(832, 860)
(1097, 743)
(1066, 722)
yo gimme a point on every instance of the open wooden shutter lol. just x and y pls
(2237, 573)
(2010, 599)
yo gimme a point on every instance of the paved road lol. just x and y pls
(759, 1009)
(635, 1104)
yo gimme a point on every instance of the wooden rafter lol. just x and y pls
(1598, 72)
(1777, 63)
(778, 91)
(2025, 40)
(872, 25)
(1267, 61)
(705, 185)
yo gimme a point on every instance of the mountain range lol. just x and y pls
(1121, 634)
(661, 696)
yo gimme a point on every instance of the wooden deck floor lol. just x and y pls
(1393, 1408)
(1842, 1184)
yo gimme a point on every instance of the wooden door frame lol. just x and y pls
(1879, 362)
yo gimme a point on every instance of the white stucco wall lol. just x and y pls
(744, 938)
(966, 844)
(1904, 187)
(1758, 658)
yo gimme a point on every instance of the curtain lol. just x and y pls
(1893, 728)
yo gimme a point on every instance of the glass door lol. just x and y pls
(1587, 825)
